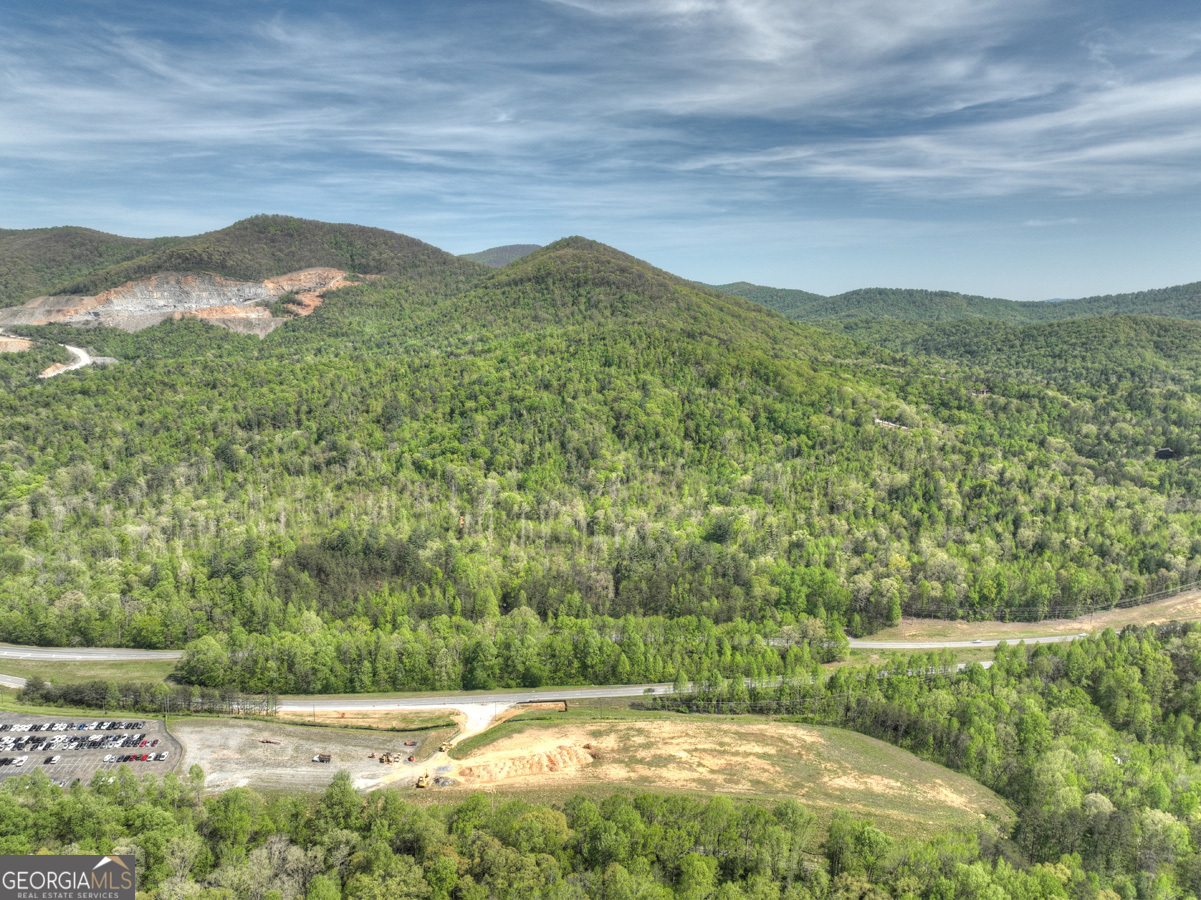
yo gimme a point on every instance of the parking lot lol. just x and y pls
(83, 746)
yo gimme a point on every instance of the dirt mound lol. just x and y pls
(822, 767)
(564, 758)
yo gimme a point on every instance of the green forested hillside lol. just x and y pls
(36, 260)
(575, 468)
(1109, 350)
(1094, 742)
(262, 246)
(857, 307)
(495, 257)
(791, 304)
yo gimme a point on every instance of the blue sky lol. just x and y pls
(1002, 147)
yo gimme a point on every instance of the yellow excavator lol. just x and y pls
(424, 780)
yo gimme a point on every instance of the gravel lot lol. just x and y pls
(83, 764)
(233, 754)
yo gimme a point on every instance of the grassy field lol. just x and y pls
(857, 657)
(74, 671)
(548, 756)
(387, 720)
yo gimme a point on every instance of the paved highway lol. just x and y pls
(479, 709)
(16, 651)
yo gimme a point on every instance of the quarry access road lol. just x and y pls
(81, 358)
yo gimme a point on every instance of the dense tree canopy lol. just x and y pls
(439, 458)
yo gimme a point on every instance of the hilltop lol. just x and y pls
(251, 276)
(36, 260)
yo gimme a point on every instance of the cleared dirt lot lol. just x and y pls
(553, 757)
(1181, 608)
(83, 764)
(233, 754)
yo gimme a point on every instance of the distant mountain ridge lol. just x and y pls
(1178, 302)
(78, 261)
(496, 257)
(230, 276)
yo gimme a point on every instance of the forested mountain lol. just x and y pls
(575, 468)
(495, 257)
(262, 246)
(872, 304)
(1105, 350)
(36, 260)
(80, 261)
(788, 303)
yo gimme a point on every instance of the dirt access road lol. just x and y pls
(81, 358)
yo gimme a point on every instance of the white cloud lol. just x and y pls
(621, 103)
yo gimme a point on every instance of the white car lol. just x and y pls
(110, 758)
(52, 760)
(21, 760)
(164, 754)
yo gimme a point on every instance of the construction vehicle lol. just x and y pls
(412, 759)
(424, 780)
(410, 743)
(445, 748)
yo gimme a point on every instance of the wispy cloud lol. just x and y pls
(1051, 223)
(598, 113)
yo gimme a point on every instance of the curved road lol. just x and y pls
(82, 358)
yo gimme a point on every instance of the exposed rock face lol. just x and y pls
(14, 345)
(139, 304)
